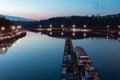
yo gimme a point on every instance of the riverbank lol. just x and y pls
(12, 35)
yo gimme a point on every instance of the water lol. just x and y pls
(39, 57)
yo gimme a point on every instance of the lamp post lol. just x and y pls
(73, 25)
(119, 27)
(85, 26)
(50, 25)
(40, 26)
(108, 28)
(2, 28)
(62, 26)
(13, 27)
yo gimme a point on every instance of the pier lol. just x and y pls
(77, 65)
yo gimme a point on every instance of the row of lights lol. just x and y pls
(109, 26)
(12, 27)
(107, 38)
(62, 33)
(63, 26)
(73, 34)
(85, 26)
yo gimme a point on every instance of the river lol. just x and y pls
(39, 57)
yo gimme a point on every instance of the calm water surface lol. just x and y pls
(39, 57)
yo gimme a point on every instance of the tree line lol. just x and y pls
(95, 22)
(5, 24)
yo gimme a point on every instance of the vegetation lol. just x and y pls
(5, 23)
(28, 24)
(94, 22)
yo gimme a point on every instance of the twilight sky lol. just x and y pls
(42, 9)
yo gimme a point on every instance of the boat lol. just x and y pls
(77, 65)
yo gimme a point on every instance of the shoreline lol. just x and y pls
(13, 35)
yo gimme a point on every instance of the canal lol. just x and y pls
(39, 57)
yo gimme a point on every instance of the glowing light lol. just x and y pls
(73, 26)
(118, 33)
(118, 39)
(119, 26)
(85, 26)
(40, 26)
(19, 27)
(107, 26)
(107, 37)
(14, 44)
(85, 30)
(13, 27)
(73, 34)
(50, 25)
(62, 33)
(62, 26)
(49, 29)
(84, 34)
(2, 28)
(3, 49)
(50, 33)
(73, 30)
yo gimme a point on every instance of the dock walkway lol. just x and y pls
(77, 65)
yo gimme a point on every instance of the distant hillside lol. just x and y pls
(13, 18)
(5, 25)
(95, 22)
(5, 22)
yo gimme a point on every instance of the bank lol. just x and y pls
(12, 35)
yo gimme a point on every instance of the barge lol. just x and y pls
(77, 65)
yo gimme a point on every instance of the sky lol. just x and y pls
(43, 9)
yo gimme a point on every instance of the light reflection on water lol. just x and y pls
(39, 57)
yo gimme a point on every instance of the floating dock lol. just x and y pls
(77, 65)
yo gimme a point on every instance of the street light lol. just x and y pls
(50, 25)
(107, 26)
(2, 28)
(62, 26)
(73, 26)
(40, 26)
(19, 27)
(13, 27)
(119, 26)
(85, 26)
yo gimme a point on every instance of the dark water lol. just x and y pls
(39, 57)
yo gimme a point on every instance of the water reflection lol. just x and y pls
(62, 33)
(73, 34)
(41, 59)
(4, 46)
(80, 35)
